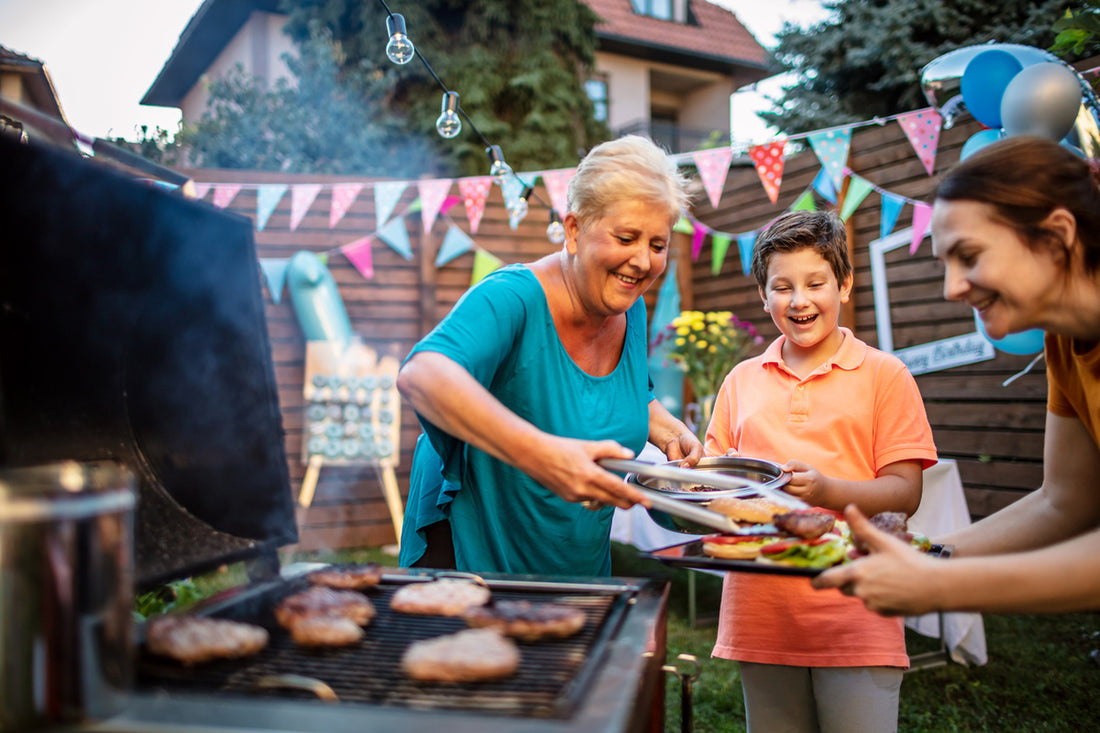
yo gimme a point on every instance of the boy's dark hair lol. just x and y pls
(823, 231)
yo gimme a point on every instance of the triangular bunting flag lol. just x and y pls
(922, 216)
(697, 238)
(745, 244)
(474, 191)
(432, 193)
(805, 202)
(511, 188)
(397, 237)
(455, 242)
(274, 269)
(768, 160)
(343, 195)
(684, 226)
(923, 130)
(323, 256)
(301, 198)
(267, 198)
(719, 245)
(224, 193)
(358, 252)
(201, 190)
(386, 196)
(557, 185)
(713, 165)
(858, 188)
(891, 207)
(823, 184)
(831, 148)
(484, 263)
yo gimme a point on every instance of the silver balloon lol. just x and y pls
(941, 78)
(1043, 99)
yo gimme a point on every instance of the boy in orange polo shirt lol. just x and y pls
(848, 422)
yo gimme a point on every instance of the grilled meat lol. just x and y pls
(194, 639)
(527, 621)
(804, 523)
(466, 656)
(355, 577)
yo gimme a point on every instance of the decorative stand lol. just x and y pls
(353, 417)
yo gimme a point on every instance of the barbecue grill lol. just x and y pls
(133, 331)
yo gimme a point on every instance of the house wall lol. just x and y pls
(258, 47)
(994, 432)
(627, 89)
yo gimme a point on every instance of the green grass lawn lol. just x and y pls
(1042, 675)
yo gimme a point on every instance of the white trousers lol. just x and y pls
(782, 699)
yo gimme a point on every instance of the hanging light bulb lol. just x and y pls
(519, 211)
(448, 125)
(498, 169)
(400, 49)
(555, 232)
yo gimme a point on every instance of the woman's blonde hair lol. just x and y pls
(631, 167)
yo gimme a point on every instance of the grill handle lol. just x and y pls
(687, 706)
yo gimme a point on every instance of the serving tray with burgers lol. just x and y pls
(760, 528)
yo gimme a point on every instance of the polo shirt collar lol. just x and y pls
(849, 356)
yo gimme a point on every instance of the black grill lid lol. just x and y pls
(132, 328)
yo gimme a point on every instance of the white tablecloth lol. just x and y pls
(942, 509)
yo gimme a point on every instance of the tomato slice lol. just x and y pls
(783, 545)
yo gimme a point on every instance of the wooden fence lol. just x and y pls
(994, 432)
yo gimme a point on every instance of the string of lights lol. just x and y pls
(400, 49)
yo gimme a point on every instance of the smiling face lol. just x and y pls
(989, 266)
(803, 297)
(618, 255)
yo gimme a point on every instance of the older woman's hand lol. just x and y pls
(894, 579)
(683, 447)
(568, 467)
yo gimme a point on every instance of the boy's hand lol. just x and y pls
(807, 483)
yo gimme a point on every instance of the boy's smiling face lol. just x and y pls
(804, 298)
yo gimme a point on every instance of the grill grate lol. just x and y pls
(550, 681)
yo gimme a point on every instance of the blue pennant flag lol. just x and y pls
(455, 243)
(745, 244)
(823, 184)
(891, 207)
(386, 196)
(274, 269)
(267, 198)
(397, 237)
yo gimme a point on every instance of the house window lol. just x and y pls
(663, 9)
(597, 92)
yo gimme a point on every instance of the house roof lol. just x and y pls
(714, 40)
(37, 80)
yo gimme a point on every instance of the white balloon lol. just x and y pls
(1043, 99)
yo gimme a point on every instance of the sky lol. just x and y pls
(103, 55)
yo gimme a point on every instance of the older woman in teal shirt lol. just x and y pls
(539, 371)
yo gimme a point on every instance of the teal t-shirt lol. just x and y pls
(501, 332)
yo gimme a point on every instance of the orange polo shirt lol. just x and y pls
(849, 418)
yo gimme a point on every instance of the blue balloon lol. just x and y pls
(317, 302)
(1025, 342)
(979, 140)
(984, 82)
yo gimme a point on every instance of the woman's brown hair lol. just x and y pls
(1023, 179)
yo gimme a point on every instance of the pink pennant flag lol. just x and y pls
(923, 130)
(201, 189)
(557, 185)
(697, 238)
(432, 193)
(448, 203)
(474, 191)
(359, 254)
(301, 198)
(224, 193)
(713, 165)
(922, 215)
(343, 196)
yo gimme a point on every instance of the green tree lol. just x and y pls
(518, 65)
(865, 60)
